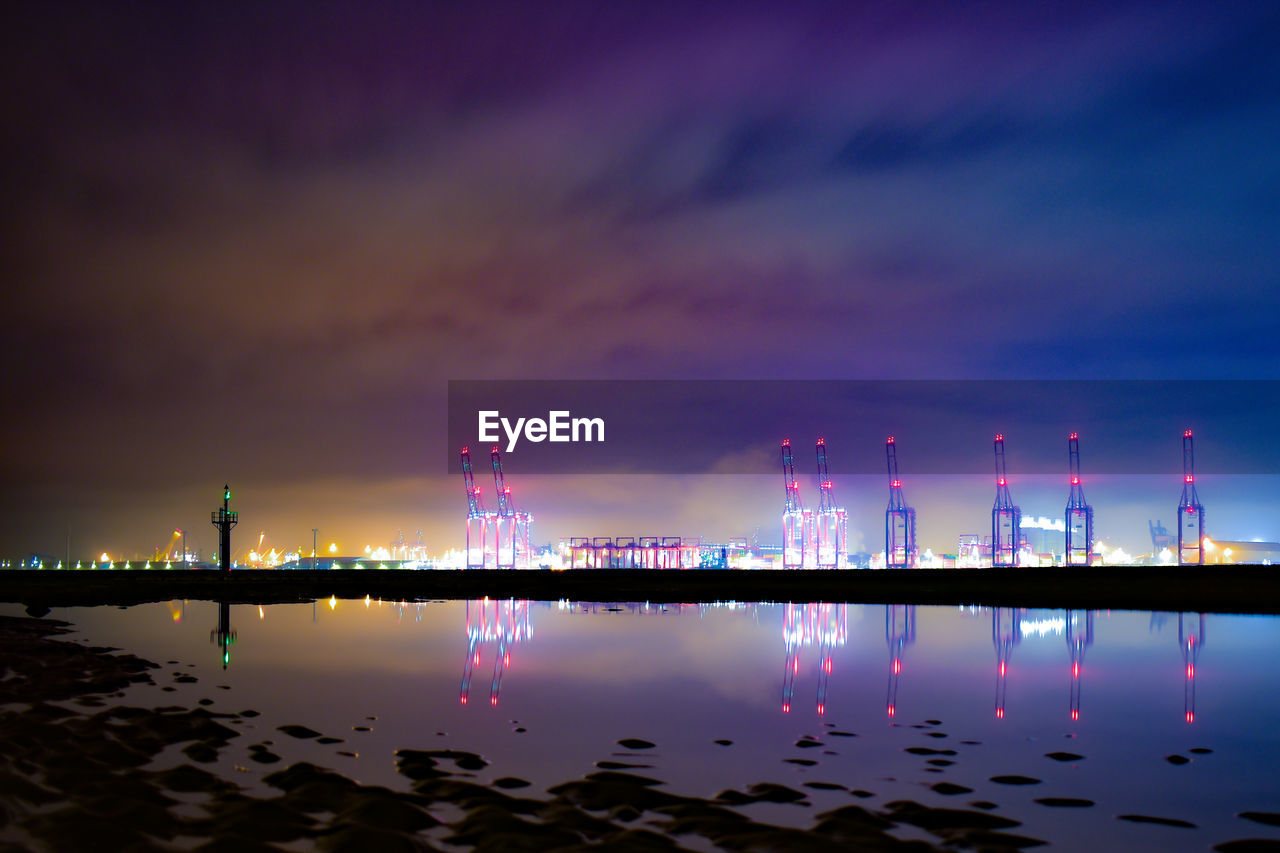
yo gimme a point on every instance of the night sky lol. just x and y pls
(251, 243)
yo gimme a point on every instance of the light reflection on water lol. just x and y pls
(566, 681)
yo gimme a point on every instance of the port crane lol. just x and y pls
(899, 519)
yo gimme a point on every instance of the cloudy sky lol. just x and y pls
(253, 242)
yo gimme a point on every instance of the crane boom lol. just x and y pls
(475, 502)
(789, 477)
(1003, 501)
(505, 507)
(826, 489)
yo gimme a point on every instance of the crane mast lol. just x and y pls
(789, 476)
(826, 494)
(505, 507)
(475, 502)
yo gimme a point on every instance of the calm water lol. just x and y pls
(545, 690)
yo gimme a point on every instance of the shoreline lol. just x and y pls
(1235, 588)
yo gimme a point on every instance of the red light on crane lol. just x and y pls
(786, 442)
(999, 436)
(1075, 481)
(1190, 478)
(892, 709)
(1191, 716)
(890, 441)
(1075, 715)
(999, 713)
(1000, 482)
(822, 441)
(1186, 434)
(1074, 435)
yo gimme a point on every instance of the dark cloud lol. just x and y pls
(291, 223)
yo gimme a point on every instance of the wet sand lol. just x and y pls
(1205, 589)
(82, 773)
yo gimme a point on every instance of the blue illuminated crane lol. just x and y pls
(511, 528)
(1079, 513)
(478, 518)
(1006, 519)
(1190, 510)
(832, 520)
(899, 519)
(796, 542)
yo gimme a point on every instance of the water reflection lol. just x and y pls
(223, 635)
(701, 682)
(899, 632)
(1006, 632)
(823, 625)
(493, 628)
(496, 624)
(1079, 629)
(1190, 641)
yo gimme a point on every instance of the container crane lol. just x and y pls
(478, 518)
(1190, 510)
(511, 528)
(796, 541)
(899, 519)
(1006, 518)
(832, 520)
(1079, 527)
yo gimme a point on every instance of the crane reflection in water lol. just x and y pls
(813, 624)
(1190, 642)
(899, 632)
(499, 624)
(1006, 632)
(1079, 638)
